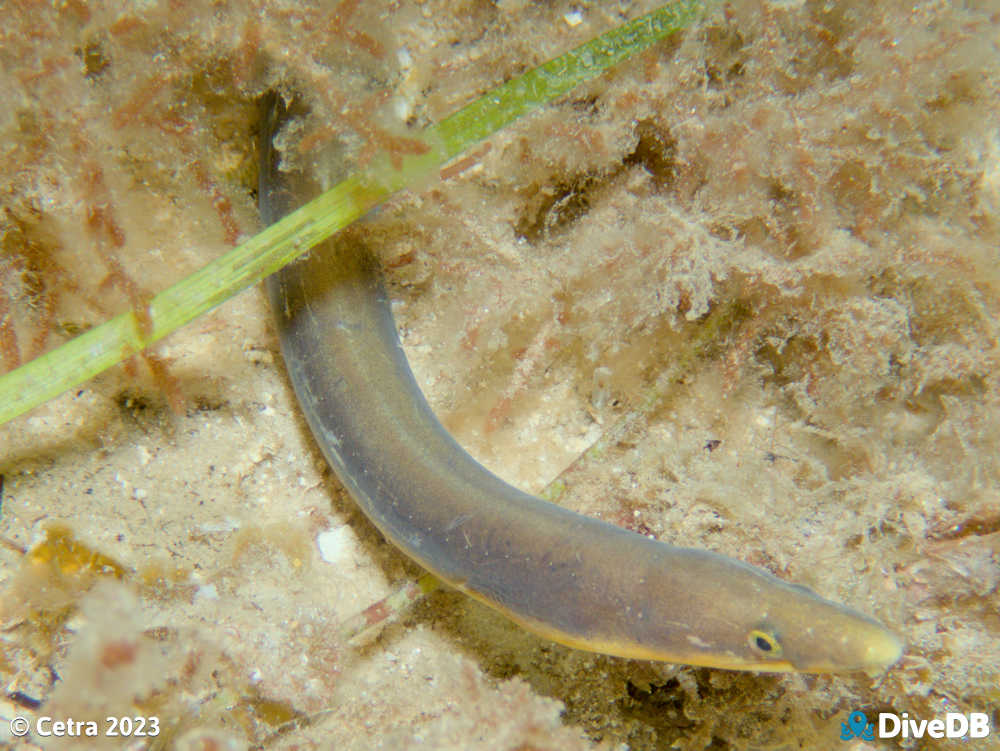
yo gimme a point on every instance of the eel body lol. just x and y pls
(567, 577)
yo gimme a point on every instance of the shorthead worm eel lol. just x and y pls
(566, 577)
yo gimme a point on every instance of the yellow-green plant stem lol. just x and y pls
(109, 343)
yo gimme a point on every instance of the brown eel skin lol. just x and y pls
(567, 577)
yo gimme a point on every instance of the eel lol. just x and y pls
(566, 577)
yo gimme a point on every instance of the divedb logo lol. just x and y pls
(890, 725)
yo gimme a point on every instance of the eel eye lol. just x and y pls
(764, 642)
